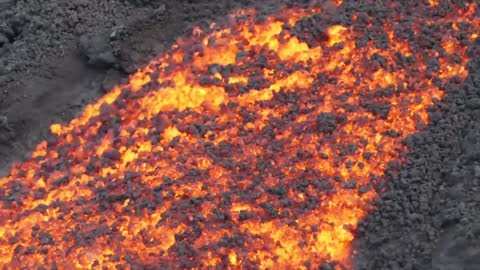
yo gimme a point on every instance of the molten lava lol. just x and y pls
(262, 142)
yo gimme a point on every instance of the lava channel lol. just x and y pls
(257, 143)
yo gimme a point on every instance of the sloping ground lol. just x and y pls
(53, 66)
(56, 56)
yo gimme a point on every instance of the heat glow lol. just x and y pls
(244, 145)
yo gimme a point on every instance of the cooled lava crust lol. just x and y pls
(259, 143)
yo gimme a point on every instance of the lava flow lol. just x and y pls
(261, 142)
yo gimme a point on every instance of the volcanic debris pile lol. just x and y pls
(260, 143)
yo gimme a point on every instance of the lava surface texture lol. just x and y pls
(260, 143)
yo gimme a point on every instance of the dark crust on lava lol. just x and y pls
(430, 197)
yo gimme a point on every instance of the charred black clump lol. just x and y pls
(312, 30)
(326, 123)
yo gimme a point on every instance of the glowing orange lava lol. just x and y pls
(242, 146)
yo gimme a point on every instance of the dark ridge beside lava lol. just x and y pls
(437, 187)
(258, 144)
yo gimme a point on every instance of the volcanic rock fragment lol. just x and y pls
(473, 103)
(97, 49)
(311, 30)
(6, 132)
(326, 122)
(458, 249)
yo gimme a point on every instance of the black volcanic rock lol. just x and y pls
(326, 123)
(97, 49)
(473, 103)
(6, 132)
(458, 248)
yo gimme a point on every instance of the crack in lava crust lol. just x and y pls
(259, 143)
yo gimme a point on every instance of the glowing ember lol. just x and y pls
(259, 143)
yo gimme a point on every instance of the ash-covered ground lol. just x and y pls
(56, 56)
